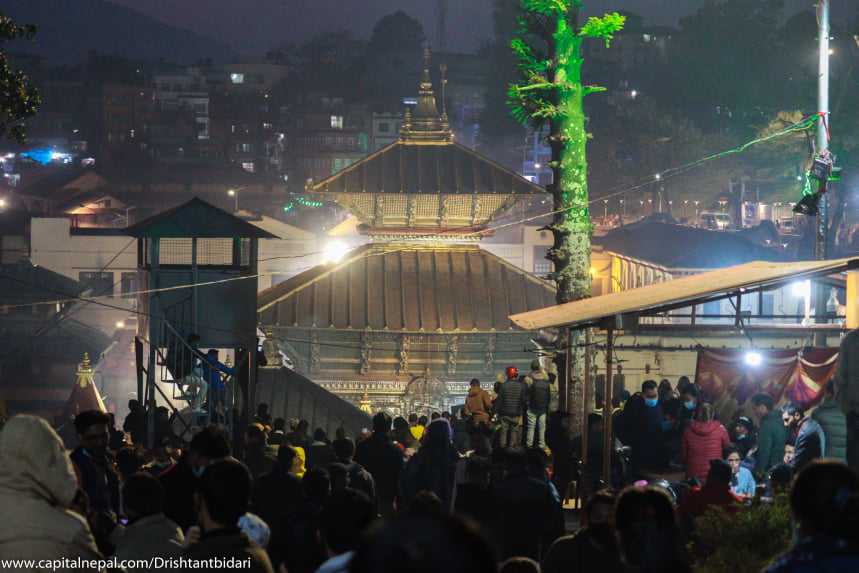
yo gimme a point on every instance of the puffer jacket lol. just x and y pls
(37, 485)
(810, 444)
(539, 391)
(702, 442)
(512, 398)
(834, 425)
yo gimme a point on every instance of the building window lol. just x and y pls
(99, 284)
(128, 285)
(768, 307)
(336, 122)
(267, 126)
(713, 308)
(384, 127)
(248, 166)
(237, 78)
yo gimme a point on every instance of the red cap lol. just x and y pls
(511, 372)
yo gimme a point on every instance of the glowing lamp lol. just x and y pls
(334, 251)
(753, 358)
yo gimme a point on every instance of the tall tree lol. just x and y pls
(19, 100)
(548, 47)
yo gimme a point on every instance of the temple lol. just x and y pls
(404, 322)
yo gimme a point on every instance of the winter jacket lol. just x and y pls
(771, 439)
(834, 425)
(539, 391)
(478, 404)
(640, 427)
(810, 444)
(226, 544)
(359, 478)
(150, 536)
(98, 479)
(512, 399)
(37, 484)
(847, 374)
(702, 442)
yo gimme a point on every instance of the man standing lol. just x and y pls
(383, 460)
(478, 403)
(510, 406)
(847, 394)
(539, 390)
(834, 425)
(772, 435)
(641, 430)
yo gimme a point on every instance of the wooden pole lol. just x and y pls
(607, 430)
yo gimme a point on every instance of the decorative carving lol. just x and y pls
(452, 352)
(379, 217)
(315, 353)
(412, 210)
(366, 350)
(475, 209)
(489, 357)
(446, 204)
(405, 343)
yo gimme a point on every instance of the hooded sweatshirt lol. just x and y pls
(478, 404)
(37, 485)
(702, 442)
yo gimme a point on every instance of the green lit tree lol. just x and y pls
(548, 49)
(19, 100)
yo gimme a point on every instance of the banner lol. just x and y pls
(792, 375)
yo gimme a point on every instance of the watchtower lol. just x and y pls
(197, 267)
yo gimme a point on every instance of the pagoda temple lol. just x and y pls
(404, 322)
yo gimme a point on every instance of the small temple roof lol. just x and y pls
(196, 218)
(407, 287)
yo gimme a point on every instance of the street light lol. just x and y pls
(605, 213)
(234, 193)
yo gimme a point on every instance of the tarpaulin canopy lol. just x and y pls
(680, 293)
(792, 375)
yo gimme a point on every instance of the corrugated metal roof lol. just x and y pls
(415, 168)
(196, 218)
(680, 292)
(408, 288)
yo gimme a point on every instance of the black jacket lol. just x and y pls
(384, 461)
(179, 485)
(528, 517)
(539, 393)
(809, 444)
(512, 398)
(226, 544)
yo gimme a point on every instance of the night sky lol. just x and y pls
(254, 26)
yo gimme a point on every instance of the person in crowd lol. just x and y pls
(426, 504)
(510, 406)
(529, 517)
(519, 565)
(704, 439)
(432, 468)
(163, 425)
(278, 433)
(321, 452)
(744, 437)
(277, 494)
(379, 456)
(847, 393)
(299, 438)
(416, 428)
(778, 480)
(591, 548)
(209, 445)
(98, 477)
(213, 370)
(345, 517)
(672, 430)
(539, 391)
(222, 498)
(462, 428)
(665, 391)
(129, 461)
(771, 436)
(690, 396)
(641, 428)
(789, 453)
(258, 457)
(135, 422)
(647, 532)
(357, 477)
(403, 435)
(559, 438)
(149, 532)
(833, 424)
(791, 415)
(38, 488)
(424, 544)
(116, 438)
(682, 384)
(262, 416)
(473, 493)
(742, 481)
(434, 416)
(716, 492)
(478, 404)
(824, 503)
(810, 443)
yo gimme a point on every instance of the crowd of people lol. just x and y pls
(481, 489)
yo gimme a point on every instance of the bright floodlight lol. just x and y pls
(801, 289)
(334, 251)
(754, 358)
(231, 192)
(120, 324)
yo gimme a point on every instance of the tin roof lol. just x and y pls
(196, 218)
(407, 287)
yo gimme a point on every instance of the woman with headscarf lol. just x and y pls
(432, 468)
(38, 487)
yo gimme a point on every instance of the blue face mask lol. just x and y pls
(689, 404)
(651, 402)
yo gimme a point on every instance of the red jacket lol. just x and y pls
(702, 442)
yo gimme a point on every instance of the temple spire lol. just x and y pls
(426, 125)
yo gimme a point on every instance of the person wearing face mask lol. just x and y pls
(689, 396)
(180, 481)
(591, 548)
(641, 429)
(744, 435)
